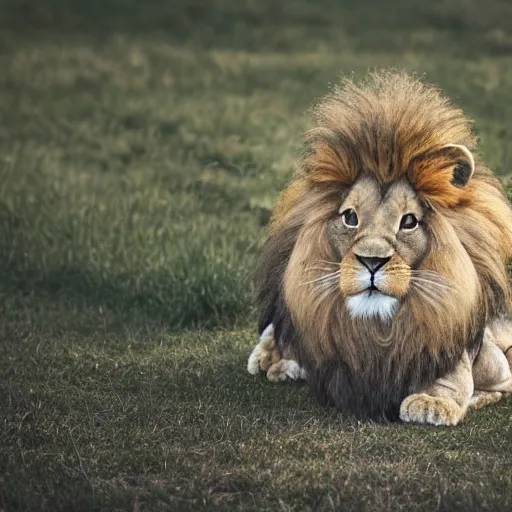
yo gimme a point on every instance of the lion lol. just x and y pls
(383, 281)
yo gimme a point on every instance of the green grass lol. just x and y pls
(142, 146)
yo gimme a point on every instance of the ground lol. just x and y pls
(142, 146)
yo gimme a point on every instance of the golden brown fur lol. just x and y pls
(392, 128)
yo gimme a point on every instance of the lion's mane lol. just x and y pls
(391, 125)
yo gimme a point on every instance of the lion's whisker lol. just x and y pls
(432, 274)
(325, 289)
(426, 276)
(424, 271)
(429, 299)
(323, 265)
(431, 291)
(428, 285)
(413, 277)
(433, 294)
(327, 277)
(430, 282)
(337, 263)
(319, 269)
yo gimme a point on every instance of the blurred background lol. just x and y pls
(142, 147)
(143, 144)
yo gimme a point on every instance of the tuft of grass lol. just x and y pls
(142, 147)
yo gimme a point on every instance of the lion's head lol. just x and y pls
(387, 253)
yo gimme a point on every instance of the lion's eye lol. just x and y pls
(408, 221)
(350, 218)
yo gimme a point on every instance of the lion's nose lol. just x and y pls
(373, 263)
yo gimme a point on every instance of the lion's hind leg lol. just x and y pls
(491, 369)
(266, 358)
(482, 398)
(501, 329)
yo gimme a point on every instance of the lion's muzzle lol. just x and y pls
(373, 286)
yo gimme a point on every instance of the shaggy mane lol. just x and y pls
(390, 126)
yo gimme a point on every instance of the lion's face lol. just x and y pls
(381, 238)
(371, 255)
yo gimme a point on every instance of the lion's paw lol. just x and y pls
(285, 369)
(265, 358)
(423, 408)
(264, 352)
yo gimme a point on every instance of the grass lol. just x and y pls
(142, 146)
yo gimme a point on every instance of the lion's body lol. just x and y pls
(386, 256)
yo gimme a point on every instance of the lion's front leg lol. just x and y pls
(444, 403)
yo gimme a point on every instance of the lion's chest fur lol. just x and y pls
(371, 380)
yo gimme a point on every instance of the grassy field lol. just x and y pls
(142, 146)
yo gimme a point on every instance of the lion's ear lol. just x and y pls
(442, 175)
(465, 163)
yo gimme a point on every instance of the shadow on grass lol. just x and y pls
(76, 298)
